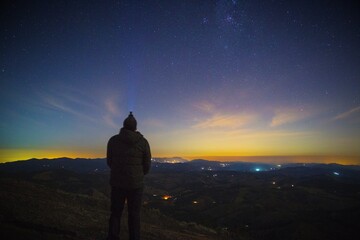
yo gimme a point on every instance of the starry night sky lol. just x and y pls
(216, 79)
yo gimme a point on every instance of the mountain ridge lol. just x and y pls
(164, 164)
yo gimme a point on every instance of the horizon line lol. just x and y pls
(321, 159)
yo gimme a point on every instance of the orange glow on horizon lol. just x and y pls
(10, 155)
(344, 160)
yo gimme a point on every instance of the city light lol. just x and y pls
(166, 197)
(224, 164)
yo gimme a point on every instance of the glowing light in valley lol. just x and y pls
(166, 197)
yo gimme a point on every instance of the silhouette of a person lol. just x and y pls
(129, 158)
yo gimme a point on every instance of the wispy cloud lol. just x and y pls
(57, 104)
(347, 114)
(109, 120)
(111, 106)
(217, 118)
(66, 99)
(205, 106)
(112, 112)
(226, 121)
(289, 115)
(271, 134)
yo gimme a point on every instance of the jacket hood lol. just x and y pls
(129, 137)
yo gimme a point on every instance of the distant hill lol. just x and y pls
(177, 164)
(80, 165)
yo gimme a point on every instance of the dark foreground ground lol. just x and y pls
(33, 211)
(290, 203)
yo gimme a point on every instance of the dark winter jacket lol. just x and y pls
(129, 158)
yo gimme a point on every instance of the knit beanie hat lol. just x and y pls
(130, 122)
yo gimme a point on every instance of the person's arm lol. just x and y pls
(108, 154)
(146, 161)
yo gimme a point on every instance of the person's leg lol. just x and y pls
(117, 206)
(134, 200)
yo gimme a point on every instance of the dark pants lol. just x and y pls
(133, 198)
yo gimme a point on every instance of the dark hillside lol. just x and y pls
(31, 210)
(53, 199)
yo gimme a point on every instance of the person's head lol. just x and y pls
(130, 122)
